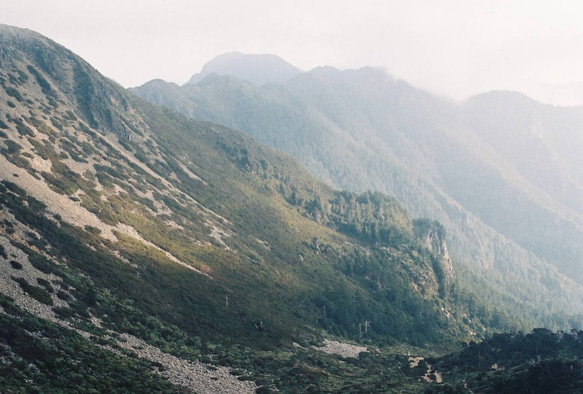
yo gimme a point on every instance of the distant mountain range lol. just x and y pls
(501, 172)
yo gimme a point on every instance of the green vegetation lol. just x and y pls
(21, 127)
(43, 83)
(46, 358)
(362, 130)
(35, 292)
(12, 92)
(15, 264)
(539, 362)
(241, 258)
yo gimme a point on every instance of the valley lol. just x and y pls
(145, 251)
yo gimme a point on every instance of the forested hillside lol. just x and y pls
(514, 221)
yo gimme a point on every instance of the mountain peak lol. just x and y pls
(502, 96)
(258, 69)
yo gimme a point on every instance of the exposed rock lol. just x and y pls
(432, 235)
(342, 349)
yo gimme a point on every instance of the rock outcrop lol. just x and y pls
(432, 235)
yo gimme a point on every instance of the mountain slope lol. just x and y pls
(151, 241)
(539, 143)
(361, 129)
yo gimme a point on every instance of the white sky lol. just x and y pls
(450, 47)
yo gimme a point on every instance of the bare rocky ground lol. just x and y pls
(195, 376)
(71, 211)
(346, 350)
(199, 377)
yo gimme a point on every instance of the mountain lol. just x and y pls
(255, 68)
(143, 251)
(513, 232)
(538, 143)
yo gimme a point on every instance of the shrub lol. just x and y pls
(46, 284)
(35, 292)
(14, 93)
(15, 264)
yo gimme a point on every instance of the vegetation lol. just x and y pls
(539, 362)
(205, 245)
(43, 357)
(361, 129)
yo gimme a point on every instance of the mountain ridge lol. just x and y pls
(361, 129)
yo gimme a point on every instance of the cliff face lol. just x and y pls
(432, 236)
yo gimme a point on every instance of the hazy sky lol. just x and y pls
(451, 47)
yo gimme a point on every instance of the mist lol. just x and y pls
(454, 48)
